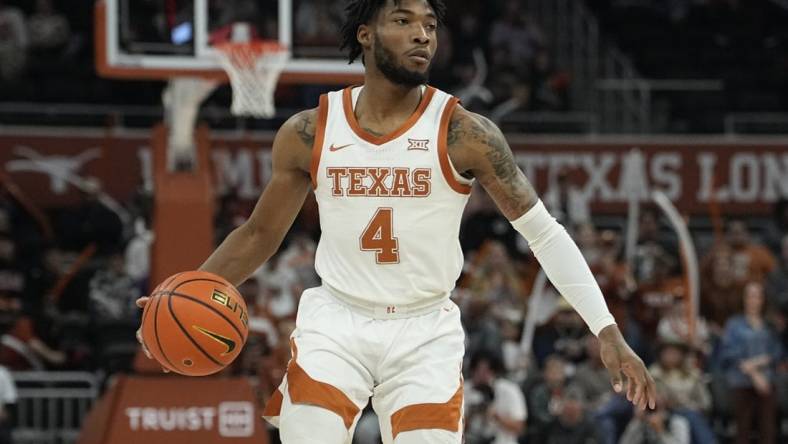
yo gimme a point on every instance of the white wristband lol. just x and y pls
(564, 265)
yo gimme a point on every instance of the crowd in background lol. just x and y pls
(68, 286)
(54, 39)
(69, 276)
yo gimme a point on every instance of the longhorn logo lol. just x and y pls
(62, 170)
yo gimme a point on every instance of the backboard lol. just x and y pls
(161, 39)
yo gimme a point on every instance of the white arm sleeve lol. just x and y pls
(563, 263)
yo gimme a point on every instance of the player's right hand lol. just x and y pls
(141, 303)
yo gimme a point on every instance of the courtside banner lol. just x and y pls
(175, 410)
(744, 176)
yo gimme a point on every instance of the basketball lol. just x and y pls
(195, 323)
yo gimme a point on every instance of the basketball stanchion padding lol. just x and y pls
(175, 410)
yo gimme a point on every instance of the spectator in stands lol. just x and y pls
(514, 38)
(8, 397)
(751, 260)
(22, 348)
(612, 273)
(775, 231)
(113, 314)
(658, 426)
(495, 407)
(482, 333)
(317, 22)
(750, 352)
(546, 396)
(113, 293)
(684, 389)
(550, 87)
(728, 267)
(13, 42)
(299, 256)
(564, 335)
(572, 424)
(137, 254)
(92, 222)
(656, 295)
(588, 242)
(673, 327)
(281, 287)
(777, 283)
(567, 201)
(652, 246)
(12, 278)
(516, 363)
(495, 279)
(48, 29)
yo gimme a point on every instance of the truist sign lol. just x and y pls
(230, 419)
(176, 410)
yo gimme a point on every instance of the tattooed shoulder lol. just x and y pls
(475, 132)
(304, 124)
(485, 153)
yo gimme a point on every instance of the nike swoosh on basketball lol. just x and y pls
(333, 148)
(229, 343)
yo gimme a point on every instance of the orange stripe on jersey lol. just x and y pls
(443, 149)
(274, 405)
(444, 416)
(320, 137)
(305, 390)
(347, 98)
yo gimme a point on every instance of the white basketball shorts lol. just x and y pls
(409, 364)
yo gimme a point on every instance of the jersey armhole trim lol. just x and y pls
(320, 137)
(443, 150)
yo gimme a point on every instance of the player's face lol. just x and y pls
(405, 41)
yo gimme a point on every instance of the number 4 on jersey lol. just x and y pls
(379, 237)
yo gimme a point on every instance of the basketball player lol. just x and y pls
(391, 163)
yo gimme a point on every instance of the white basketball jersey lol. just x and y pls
(390, 206)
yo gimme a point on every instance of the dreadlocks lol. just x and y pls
(360, 12)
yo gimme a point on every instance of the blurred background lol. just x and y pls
(655, 131)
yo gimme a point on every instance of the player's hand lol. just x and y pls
(141, 302)
(622, 363)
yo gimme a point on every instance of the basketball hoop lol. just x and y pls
(254, 68)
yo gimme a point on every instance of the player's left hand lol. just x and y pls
(141, 302)
(623, 364)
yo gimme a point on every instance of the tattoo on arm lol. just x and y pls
(305, 126)
(498, 172)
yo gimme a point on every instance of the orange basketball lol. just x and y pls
(195, 323)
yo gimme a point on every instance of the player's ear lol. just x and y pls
(364, 36)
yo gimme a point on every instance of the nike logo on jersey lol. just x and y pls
(333, 148)
(227, 342)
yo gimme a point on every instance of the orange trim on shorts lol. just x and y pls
(320, 137)
(443, 149)
(305, 390)
(444, 416)
(274, 405)
(350, 116)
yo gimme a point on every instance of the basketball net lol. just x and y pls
(254, 68)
